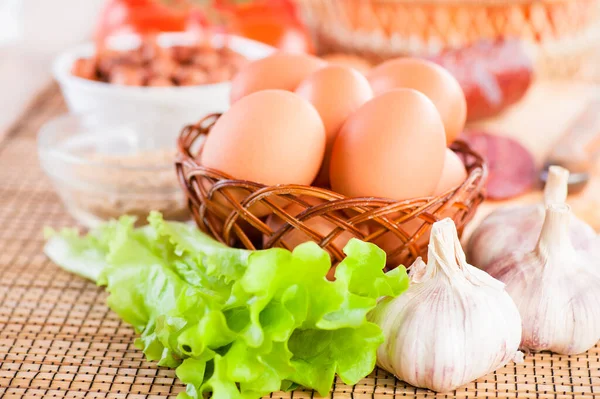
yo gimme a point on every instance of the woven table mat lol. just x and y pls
(58, 339)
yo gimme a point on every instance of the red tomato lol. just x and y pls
(147, 17)
(286, 37)
(273, 22)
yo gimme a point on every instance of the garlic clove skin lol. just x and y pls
(556, 289)
(517, 228)
(454, 324)
(506, 229)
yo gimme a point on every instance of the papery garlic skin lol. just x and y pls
(517, 228)
(454, 324)
(556, 288)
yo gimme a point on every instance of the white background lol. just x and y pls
(32, 32)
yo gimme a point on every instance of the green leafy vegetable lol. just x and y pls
(236, 323)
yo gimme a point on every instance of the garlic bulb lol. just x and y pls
(454, 324)
(555, 287)
(516, 228)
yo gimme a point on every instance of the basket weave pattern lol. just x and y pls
(563, 33)
(448, 23)
(219, 209)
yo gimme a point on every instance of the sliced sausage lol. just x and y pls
(511, 166)
(493, 74)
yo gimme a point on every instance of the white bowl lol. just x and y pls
(177, 106)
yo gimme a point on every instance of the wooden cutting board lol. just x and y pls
(537, 122)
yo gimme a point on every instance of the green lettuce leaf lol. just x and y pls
(84, 256)
(236, 323)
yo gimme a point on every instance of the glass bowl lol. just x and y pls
(104, 167)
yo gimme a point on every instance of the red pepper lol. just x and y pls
(147, 17)
(274, 22)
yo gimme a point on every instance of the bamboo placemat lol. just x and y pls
(59, 340)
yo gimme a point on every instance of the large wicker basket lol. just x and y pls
(564, 34)
(220, 210)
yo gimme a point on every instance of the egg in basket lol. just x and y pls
(311, 151)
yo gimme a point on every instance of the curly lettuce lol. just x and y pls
(236, 323)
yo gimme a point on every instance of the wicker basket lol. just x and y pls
(564, 34)
(220, 210)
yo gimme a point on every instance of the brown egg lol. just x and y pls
(269, 137)
(335, 92)
(391, 147)
(453, 174)
(279, 71)
(430, 79)
(361, 64)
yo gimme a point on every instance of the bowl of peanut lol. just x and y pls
(173, 76)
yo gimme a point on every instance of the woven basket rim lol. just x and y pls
(233, 217)
(186, 158)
